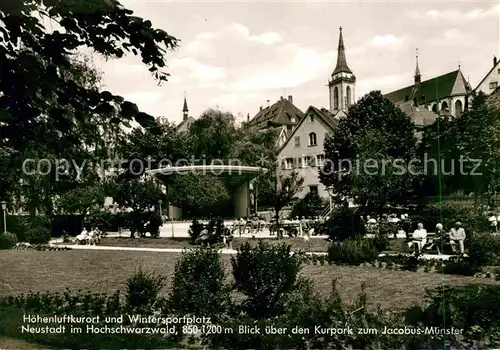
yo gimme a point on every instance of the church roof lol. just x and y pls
(437, 88)
(185, 108)
(185, 124)
(420, 116)
(341, 66)
(280, 113)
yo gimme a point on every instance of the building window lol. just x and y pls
(289, 163)
(312, 139)
(493, 85)
(407, 98)
(320, 160)
(444, 106)
(313, 190)
(458, 108)
(292, 119)
(434, 108)
(297, 141)
(336, 98)
(348, 95)
(307, 161)
(498, 71)
(311, 118)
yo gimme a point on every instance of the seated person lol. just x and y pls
(419, 238)
(457, 237)
(82, 237)
(439, 238)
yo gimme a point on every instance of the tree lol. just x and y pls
(468, 148)
(213, 135)
(140, 196)
(280, 191)
(49, 105)
(369, 154)
(195, 192)
(82, 200)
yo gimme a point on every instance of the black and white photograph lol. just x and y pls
(249, 174)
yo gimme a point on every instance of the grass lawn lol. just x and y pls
(314, 245)
(107, 271)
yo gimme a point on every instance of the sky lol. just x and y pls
(236, 55)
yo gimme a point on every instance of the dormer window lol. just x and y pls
(311, 118)
(292, 119)
(407, 98)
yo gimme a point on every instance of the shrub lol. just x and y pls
(345, 223)
(483, 249)
(306, 309)
(30, 228)
(353, 251)
(155, 222)
(473, 308)
(143, 289)
(195, 230)
(462, 267)
(7, 240)
(199, 285)
(265, 275)
(310, 205)
(381, 242)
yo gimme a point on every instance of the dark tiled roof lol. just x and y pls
(433, 89)
(420, 116)
(341, 60)
(494, 99)
(185, 124)
(280, 113)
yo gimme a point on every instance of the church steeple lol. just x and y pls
(341, 60)
(418, 77)
(342, 83)
(185, 109)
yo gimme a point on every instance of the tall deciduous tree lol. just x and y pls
(46, 100)
(469, 149)
(369, 154)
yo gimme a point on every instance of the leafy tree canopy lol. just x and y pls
(369, 153)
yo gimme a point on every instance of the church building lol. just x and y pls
(446, 94)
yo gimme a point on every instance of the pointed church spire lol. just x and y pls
(417, 71)
(341, 60)
(185, 109)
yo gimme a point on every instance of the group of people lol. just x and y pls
(292, 226)
(91, 237)
(456, 237)
(419, 238)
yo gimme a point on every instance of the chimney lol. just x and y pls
(290, 98)
(281, 98)
(494, 60)
(248, 117)
(261, 108)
